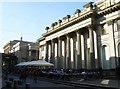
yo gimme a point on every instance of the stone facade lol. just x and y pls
(89, 39)
(33, 51)
(24, 50)
(8, 46)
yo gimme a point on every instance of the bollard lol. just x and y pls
(27, 86)
(15, 84)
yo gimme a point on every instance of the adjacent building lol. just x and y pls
(24, 50)
(8, 61)
(90, 39)
(8, 46)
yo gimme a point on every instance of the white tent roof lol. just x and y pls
(35, 63)
(23, 64)
(40, 63)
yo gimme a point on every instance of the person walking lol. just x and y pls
(35, 76)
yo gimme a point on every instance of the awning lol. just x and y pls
(23, 64)
(35, 63)
(40, 63)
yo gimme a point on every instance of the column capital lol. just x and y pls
(110, 22)
(68, 35)
(90, 27)
(53, 40)
(48, 42)
(115, 20)
(100, 25)
(59, 38)
(78, 31)
(63, 37)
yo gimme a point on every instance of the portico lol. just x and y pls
(83, 41)
(65, 51)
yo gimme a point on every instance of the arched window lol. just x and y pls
(105, 57)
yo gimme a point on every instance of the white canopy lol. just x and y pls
(35, 63)
(23, 64)
(40, 63)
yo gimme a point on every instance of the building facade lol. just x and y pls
(8, 46)
(24, 50)
(90, 39)
(8, 61)
(33, 51)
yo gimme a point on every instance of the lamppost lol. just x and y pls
(8, 63)
(118, 23)
(114, 43)
(116, 64)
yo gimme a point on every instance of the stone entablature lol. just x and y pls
(109, 9)
(69, 29)
(66, 24)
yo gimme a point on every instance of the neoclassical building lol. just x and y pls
(90, 39)
(24, 50)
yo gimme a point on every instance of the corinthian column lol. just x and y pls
(74, 53)
(52, 59)
(46, 51)
(85, 50)
(50, 47)
(92, 51)
(68, 61)
(64, 54)
(78, 61)
(60, 63)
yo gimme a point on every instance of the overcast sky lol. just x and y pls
(29, 19)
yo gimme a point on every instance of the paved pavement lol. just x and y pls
(54, 83)
(39, 83)
(101, 83)
(0, 80)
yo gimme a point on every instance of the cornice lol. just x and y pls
(41, 39)
(91, 13)
(70, 23)
(109, 9)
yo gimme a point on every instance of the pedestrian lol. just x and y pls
(35, 76)
(35, 79)
(25, 77)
